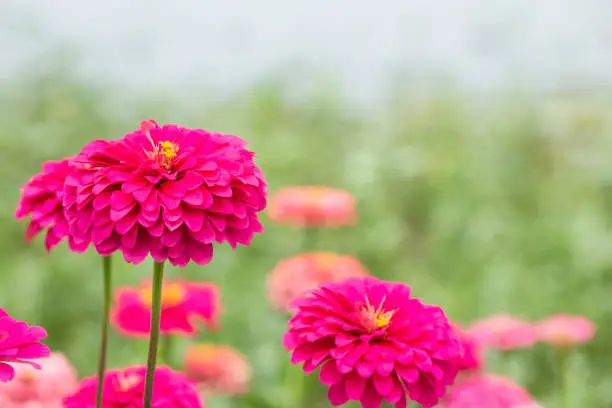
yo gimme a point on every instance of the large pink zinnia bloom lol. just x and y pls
(42, 200)
(125, 388)
(166, 191)
(19, 343)
(488, 391)
(373, 341)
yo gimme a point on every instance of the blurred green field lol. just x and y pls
(483, 205)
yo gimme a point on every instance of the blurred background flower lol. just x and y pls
(503, 332)
(489, 391)
(565, 331)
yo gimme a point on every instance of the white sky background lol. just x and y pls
(225, 45)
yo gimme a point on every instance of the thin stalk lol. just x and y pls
(562, 358)
(107, 278)
(158, 276)
(166, 351)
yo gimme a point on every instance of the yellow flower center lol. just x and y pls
(126, 382)
(375, 319)
(172, 295)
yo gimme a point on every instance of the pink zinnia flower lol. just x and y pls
(312, 207)
(373, 341)
(503, 332)
(184, 304)
(564, 330)
(42, 200)
(125, 388)
(166, 191)
(472, 359)
(19, 343)
(293, 277)
(488, 391)
(46, 387)
(217, 369)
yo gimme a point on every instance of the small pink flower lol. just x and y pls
(42, 200)
(19, 343)
(46, 387)
(183, 305)
(374, 342)
(488, 391)
(564, 330)
(125, 388)
(293, 277)
(312, 207)
(218, 369)
(167, 191)
(503, 332)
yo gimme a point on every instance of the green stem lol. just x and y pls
(294, 384)
(309, 239)
(107, 278)
(562, 358)
(158, 276)
(166, 351)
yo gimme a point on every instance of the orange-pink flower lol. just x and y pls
(503, 332)
(183, 305)
(218, 369)
(488, 391)
(294, 276)
(564, 330)
(313, 206)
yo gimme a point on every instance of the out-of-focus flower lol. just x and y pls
(374, 342)
(41, 199)
(564, 330)
(166, 191)
(125, 388)
(44, 388)
(503, 332)
(472, 359)
(488, 391)
(184, 304)
(217, 369)
(312, 207)
(293, 277)
(19, 343)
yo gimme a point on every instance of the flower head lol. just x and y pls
(125, 388)
(218, 369)
(563, 330)
(41, 200)
(167, 191)
(503, 332)
(293, 277)
(46, 387)
(488, 391)
(312, 207)
(373, 341)
(19, 343)
(183, 305)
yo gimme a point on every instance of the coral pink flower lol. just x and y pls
(19, 343)
(373, 341)
(503, 332)
(183, 305)
(217, 369)
(313, 206)
(46, 387)
(488, 391)
(293, 277)
(472, 358)
(125, 388)
(563, 330)
(42, 200)
(166, 191)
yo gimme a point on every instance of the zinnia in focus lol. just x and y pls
(488, 391)
(312, 207)
(19, 343)
(374, 342)
(184, 304)
(42, 200)
(503, 332)
(217, 369)
(43, 388)
(565, 331)
(125, 388)
(293, 277)
(167, 191)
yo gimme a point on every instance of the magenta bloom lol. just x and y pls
(42, 200)
(373, 341)
(488, 391)
(19, 343)
(471, 360)
(166, 191)
(125, 388)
